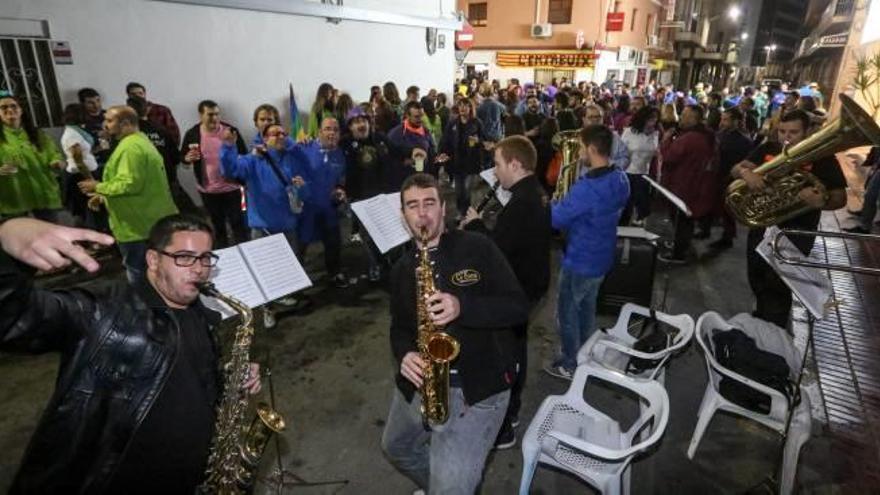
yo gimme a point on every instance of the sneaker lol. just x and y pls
(355, 239)
(671, 259)
(340, 281)
(638, 223)
(506, 437)
(375, 274)
(858, 229)
(721, 244)
(559, 372)
(268, 319)
(288, 301)
(514, 423)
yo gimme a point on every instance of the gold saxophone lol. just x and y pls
(436, 348)
(568, 143)
(784, 179)
(236, 449)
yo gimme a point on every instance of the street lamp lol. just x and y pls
(770, 49)
(744, 36)
(734, 12)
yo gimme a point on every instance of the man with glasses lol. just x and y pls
(134, 405)
(134, 188)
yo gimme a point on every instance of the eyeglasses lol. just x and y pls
(186, 260)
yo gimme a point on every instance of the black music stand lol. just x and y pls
(281, 478)
(679, 204)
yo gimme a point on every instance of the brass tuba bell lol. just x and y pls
(568, 143)
(784, 179)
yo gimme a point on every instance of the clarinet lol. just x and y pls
(488, 197)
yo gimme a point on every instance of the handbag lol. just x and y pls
(293, 200)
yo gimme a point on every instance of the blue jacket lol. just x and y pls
(325, 170)
(268, 206)
(589, 216)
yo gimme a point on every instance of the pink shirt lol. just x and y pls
(210, 148)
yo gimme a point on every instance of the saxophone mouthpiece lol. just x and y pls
(208, 289)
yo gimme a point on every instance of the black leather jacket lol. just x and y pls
(117, 345)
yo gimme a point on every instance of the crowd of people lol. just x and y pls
(116, 172)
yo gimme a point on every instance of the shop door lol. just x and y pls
(545, 76)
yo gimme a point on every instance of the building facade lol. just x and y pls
(538, 40)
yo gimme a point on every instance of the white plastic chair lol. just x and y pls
(613, 348)
(773, 340)
(569, 434)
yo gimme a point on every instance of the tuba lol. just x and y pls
(784, 179)
(568, 143)
(236, 448)
(436, 347)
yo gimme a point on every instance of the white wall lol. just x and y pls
(185, 53)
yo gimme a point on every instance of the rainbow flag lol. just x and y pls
(296, 128)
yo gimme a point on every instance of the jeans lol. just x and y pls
(449, 458)
(463, 185)
(575, 313)
(869, 207)
(223, 208)
(133, 254)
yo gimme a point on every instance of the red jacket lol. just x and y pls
(161, 116)
(688, 169)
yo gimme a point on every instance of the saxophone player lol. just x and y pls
(773, 297)
(479, 301)
(134, 403)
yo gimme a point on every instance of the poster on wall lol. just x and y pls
(614, 21)
(61, 53)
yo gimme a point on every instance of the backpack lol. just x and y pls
(738, 352)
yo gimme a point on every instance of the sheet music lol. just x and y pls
(637, 232)
(275, 268)
(503, 195)
(810, 285)
(232, 276)
(382, 218)
(675, 200)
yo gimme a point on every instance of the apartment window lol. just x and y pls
(559, 12)
(28, 71)
(632, 20)
(477, 13)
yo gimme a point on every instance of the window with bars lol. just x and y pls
(478, 14)
(559, 12)
(28, 71)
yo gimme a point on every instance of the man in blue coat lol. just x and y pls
(588, 215)
(325, 169)
(273, 177)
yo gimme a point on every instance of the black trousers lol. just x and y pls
(331, 237)
(684, 233)
(519, 381)
(226, 208)
(773, 297)
(639, 199)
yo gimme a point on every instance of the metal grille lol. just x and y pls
(28, 72)
(846, 345)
